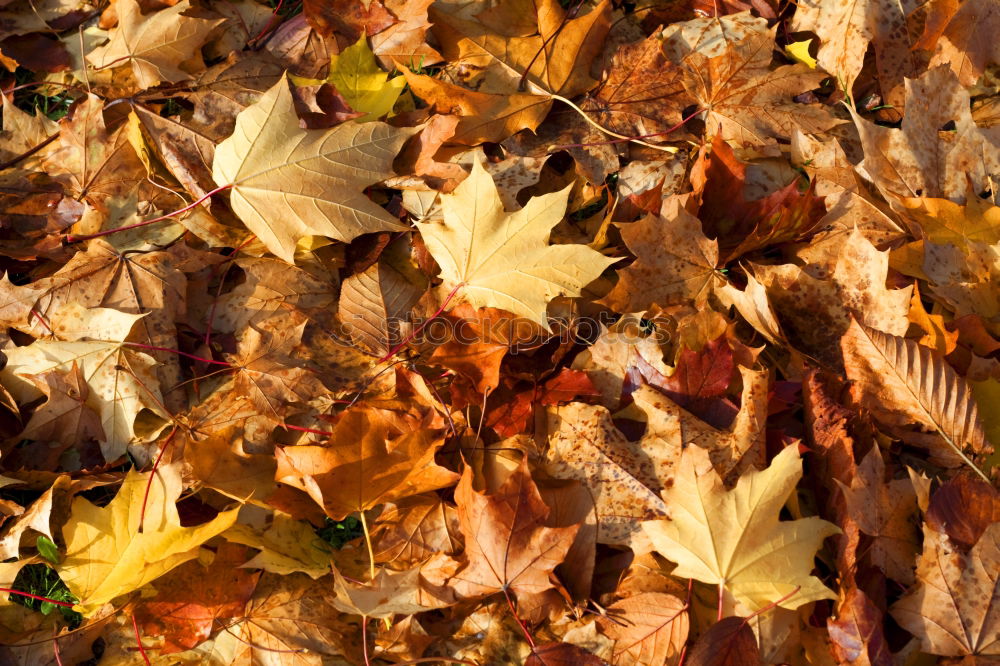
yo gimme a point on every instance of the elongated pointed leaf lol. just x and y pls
(903, 382)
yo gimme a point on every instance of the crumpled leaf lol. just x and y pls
(288, 183)
(371, 458)
(497, 259)
(120, 378)
(734, 538)
(115, 550)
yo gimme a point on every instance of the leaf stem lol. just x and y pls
(368, 543)
(8, 590)
(524, 628)
(152, 475)
(595, 125)
(771, 605)
(289, 426)
(138, 640)
(69, 240)
(364, 633)
(176, 351)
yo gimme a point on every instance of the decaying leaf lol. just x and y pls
(953, 607)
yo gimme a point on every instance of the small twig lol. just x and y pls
(289, 426)
(364, 637)
(772, 604)
(595, 125)
(55, 651)
(152, 475)
(177, 351)
(368, 543)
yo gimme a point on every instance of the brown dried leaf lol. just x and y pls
(954, 609)
(675, 263)
(372, 457)
(649, 629)
(903, 383)
(507, 546)
(884, 510)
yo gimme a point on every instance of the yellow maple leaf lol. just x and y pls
(733, 538)
(106, 553)
(289, 183)
(492, 258)
(360, 81)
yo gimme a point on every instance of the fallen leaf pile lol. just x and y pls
(343, 332)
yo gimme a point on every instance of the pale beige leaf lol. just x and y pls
(289, 183)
